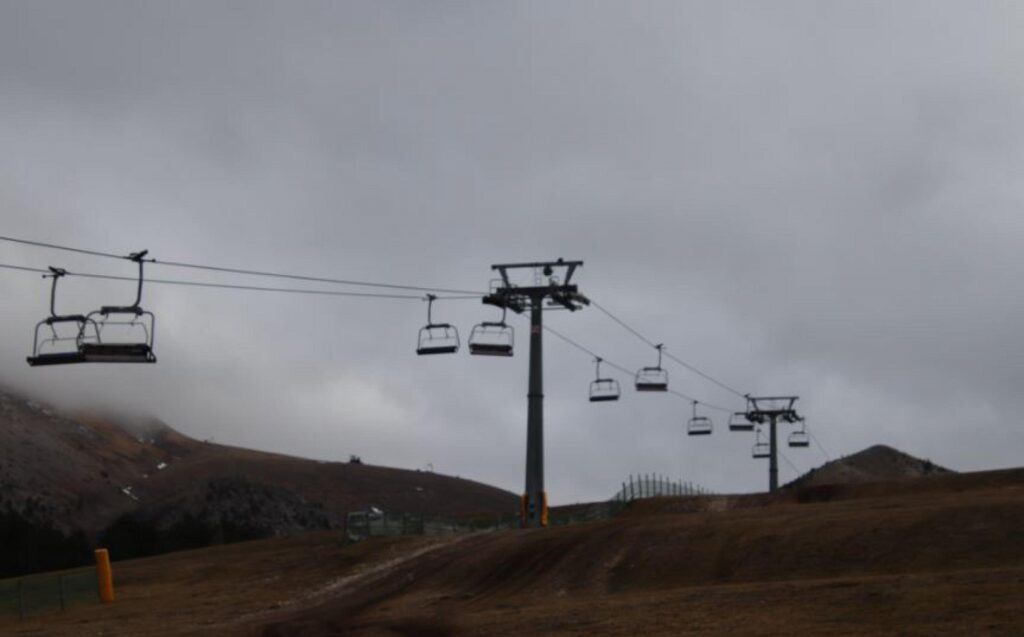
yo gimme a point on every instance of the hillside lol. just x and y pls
(139, 478)
(876, 463)
(937, 556)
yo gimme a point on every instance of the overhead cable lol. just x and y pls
(251, 288)
(625, 371)
(243, 271)
(667, 354)
(823, 450)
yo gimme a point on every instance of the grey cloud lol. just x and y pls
(798, 197)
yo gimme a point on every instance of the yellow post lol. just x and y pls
(104, 576)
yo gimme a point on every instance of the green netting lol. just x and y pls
(45, 592)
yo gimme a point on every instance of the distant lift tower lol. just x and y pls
(551, 290)
(772, 409)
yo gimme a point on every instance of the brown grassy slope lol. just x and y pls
(946, 559)
(973, 531)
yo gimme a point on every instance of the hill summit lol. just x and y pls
(874, 464)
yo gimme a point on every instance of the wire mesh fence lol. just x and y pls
(653, 485)
(44, 592)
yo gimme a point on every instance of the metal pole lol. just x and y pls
(536, 505)
(773, 462)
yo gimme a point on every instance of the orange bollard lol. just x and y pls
(544, 508)
(104, 576)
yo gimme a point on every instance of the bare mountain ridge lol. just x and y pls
(877, 463)
(86, 472)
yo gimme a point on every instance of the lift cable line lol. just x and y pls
(626, 372)
(667, 355)
(791, 465)
(251, 288)
(828, 456)
(243, 271)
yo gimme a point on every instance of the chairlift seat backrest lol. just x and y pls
(56, 358)
(437, 349)
(121, 309)
(117, 353)
(490, 349)
(71, 318)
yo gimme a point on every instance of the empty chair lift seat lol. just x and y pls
(604, 390)
(436, 338)
(739, 422)
(652, 379)
(799, 439)
(491, 339)
(439, 338)
(699, 426)
(40, 358)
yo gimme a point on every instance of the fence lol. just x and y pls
(360, 525)
(32, 594)
(363, 524)
(653, 485)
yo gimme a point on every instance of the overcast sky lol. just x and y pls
(820, 198)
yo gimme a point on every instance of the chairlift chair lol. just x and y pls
(762, 448)
(40, 357)
(799, 438)
(603, 389)
(699, 425)
(652, 378)
(492, 338)
(437, 338)
(129, 349)
(739, 422)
